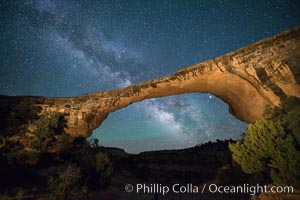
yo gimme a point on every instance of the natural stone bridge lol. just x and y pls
(247, 79)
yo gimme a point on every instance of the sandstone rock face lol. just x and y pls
(247, 79)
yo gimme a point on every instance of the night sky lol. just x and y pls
(69, 48)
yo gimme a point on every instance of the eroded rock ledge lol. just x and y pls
(247, 79)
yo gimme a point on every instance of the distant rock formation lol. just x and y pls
(247, 79)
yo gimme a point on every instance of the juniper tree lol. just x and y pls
(266, 147)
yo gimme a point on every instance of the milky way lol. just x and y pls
(69, 48)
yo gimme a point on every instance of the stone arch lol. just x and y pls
(247, 79)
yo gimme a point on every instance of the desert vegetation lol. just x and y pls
(270, 147)
(49, 164)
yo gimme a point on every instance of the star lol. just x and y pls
(70, 48)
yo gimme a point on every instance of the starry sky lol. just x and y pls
(70, 47)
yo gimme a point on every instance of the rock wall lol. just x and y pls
(247, 79)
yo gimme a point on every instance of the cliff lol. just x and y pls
(247, 79)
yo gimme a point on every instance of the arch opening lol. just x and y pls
(172, 122)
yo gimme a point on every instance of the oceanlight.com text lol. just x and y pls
(156, 188)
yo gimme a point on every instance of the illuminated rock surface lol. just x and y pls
(247, 79)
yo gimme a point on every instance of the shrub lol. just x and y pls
(27, 157)
(103, 168)
(267, 147)
(66, 184)
(96, 167)
(288, 113)
(292, 122)
(46, 129)
(64, 144)
(19, 115)
(15, 194)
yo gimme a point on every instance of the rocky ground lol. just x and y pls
(197, 166)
